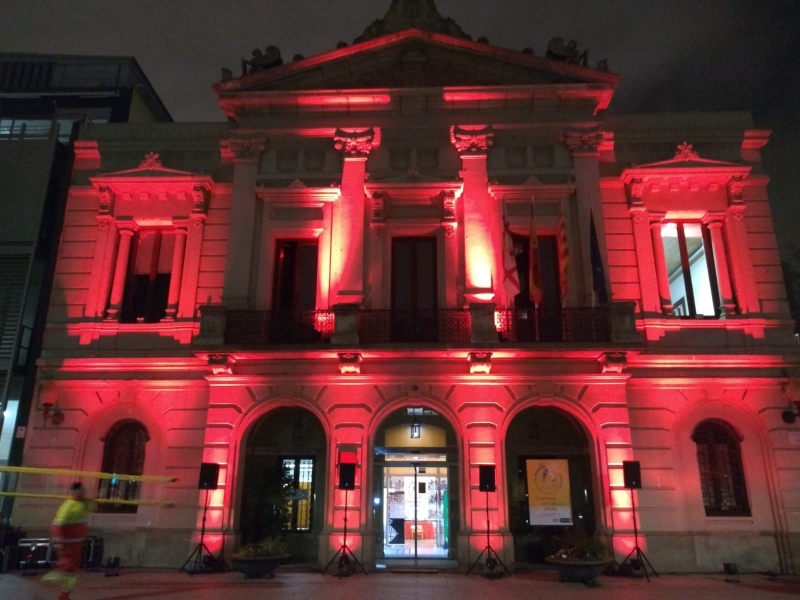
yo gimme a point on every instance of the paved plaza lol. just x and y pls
(539, 585)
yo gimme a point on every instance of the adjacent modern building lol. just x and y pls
(442, 262)
(43, 99)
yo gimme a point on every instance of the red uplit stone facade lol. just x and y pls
(246, 268)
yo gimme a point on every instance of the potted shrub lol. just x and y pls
(581, 560)
(261, 559)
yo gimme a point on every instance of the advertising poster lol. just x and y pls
(548, 491)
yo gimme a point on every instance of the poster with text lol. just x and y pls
(548, 492)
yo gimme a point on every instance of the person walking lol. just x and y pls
(68, 533)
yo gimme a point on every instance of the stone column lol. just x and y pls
(176, 273)
(236, 291)
(347, 259)
(483, 218)
(187, 295)
(126, 232)
(584, 144)
(662, 277)
(713, 221)
(741, 263)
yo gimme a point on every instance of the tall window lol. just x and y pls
(123, 454)
(301, 471)
(690, 267)
(147, 282)
(295, 283)
(548, 261)
(719, 458)
(414, 279)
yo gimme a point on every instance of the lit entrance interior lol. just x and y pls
(415, 507)
(415, 486)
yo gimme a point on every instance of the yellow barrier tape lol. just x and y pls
(98, 500)
(97, 475)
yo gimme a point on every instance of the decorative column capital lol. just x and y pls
(584, 140)
(713, 220)
(181, 226)
(449, 220)
(636, 191)
(472, 142)
(127, 228)
(354, 143)
(245, 149)
(106, 196)
(656, 219)
(736, 189)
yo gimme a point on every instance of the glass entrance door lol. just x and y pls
(415, 505)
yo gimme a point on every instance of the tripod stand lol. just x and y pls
(344, 553)
(201, 558)
(640, 556)
(492, 560)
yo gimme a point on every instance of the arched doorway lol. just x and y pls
(415, 486)
(285, 449)
(550, 490)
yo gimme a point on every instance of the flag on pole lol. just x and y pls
(510, 272)
(598, 272)
(534, 263)
(563, 257)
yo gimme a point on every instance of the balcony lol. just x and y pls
(479, 324)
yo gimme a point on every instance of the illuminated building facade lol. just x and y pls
(329, 278)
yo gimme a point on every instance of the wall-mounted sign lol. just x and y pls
(21, 431)
(548, 492)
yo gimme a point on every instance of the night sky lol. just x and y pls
(676, 55)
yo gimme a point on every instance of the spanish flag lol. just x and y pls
(563, 257)
(535, 292)
(510, 272)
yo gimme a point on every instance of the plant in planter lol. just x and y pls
(262, 558)
(581, 559)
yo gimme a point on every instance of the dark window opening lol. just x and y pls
(147, 281)
(123, 454)
(295, 283)
(719, 459)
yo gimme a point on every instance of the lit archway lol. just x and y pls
(416, 485)
(550, 483)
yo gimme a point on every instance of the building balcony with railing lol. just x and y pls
(478, 324)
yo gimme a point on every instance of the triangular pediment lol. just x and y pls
(686, 163)
(415, 59)
(151, 172)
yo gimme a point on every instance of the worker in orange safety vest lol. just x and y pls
(68, 533)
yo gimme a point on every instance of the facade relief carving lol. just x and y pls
(354, 144)
(378, 220)
(480, 362)
(349, 363)
(449, 219)
(583, 139)
(246, 149)
(472, 141)
(685, 152)
(220, 364)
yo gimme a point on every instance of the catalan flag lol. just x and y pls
(534, 263)
(563, 257)
(510, 272)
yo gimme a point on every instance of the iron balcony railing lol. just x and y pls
(557, 325)
(447, 326)
(258, 327)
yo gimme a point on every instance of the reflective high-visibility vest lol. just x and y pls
(69, 526)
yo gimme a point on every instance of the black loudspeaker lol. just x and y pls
(347, 476)
(486, 478)
(632, 474)
(209, 474)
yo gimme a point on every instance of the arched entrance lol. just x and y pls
(284, 481)
(415, 486)
(550, 490)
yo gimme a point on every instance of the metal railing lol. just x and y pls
(556, 325)
(258, 327)
(446, 326)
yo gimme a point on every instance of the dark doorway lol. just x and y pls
(537, 439)
(414, 289)
(295, 283)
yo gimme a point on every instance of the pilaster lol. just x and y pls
(741, 263)
(714, 220)
(236, 292)
(347, 260)
(483, 219)
(105, 253)
(584, 144)
(191, 262)
(640, 217)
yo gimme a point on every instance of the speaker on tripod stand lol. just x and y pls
(632, 476)
(347, 482)
(486, 484)
(201, 560)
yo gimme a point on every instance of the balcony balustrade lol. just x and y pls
(347, 324)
